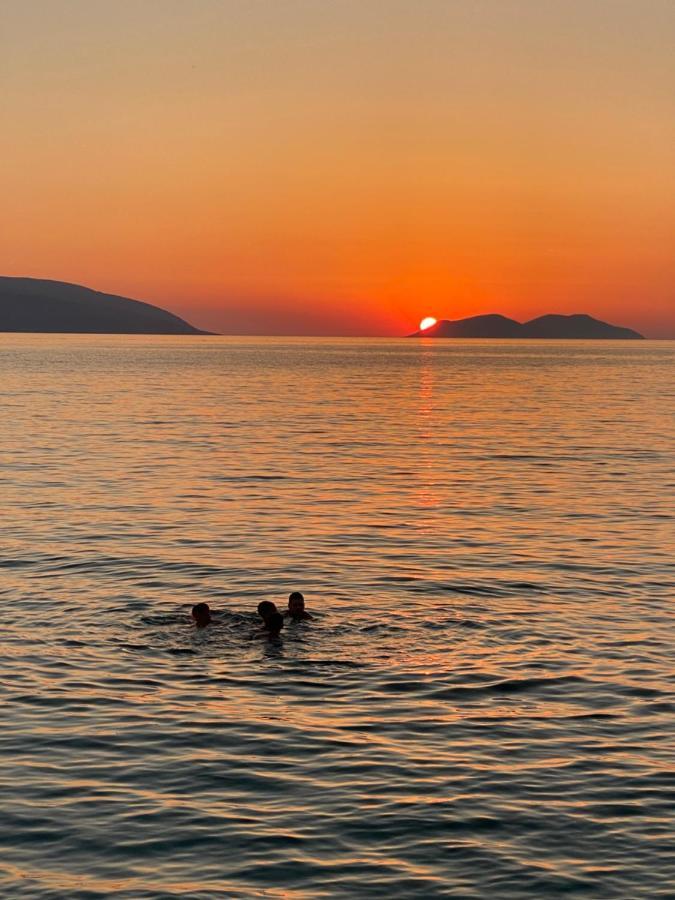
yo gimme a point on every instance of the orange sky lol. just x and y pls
(344, 167)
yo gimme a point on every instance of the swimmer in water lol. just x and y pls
(273, 624)
(201, 614)
(273, 621)
(266, 608)
(296, 611)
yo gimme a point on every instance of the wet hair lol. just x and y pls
(201, 613)
(266, 608)
(296, 597)
(274, 623)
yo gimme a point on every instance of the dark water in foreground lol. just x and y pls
(485, 707)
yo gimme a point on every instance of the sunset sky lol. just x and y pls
(344, 166)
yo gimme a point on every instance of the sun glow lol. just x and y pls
(428, 322)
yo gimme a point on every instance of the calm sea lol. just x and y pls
(484, 705)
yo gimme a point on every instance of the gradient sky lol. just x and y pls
(344, 166)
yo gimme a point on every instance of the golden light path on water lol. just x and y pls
(483, 706)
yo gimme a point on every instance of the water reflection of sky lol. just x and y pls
(484, 700)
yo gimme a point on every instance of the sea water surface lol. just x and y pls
(484, 704)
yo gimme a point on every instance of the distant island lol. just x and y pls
(37, 305)
(578, 327)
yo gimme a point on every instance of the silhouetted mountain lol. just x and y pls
(492, 326)
(552, 326)
(578, 326)
(36, 305)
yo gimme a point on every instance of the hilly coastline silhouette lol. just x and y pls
(43, 305)
(38, 305)
(577, 327)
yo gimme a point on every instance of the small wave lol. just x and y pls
(508, 686)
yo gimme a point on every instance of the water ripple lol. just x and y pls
(484, 703)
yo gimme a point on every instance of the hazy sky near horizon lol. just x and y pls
(348, 166)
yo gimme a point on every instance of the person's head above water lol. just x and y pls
(274, 623)
(296, 607)
(201, 614)
(266, 608)
(296, 603)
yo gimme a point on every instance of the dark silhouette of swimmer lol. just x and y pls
(266, 608)
(273, 621)
(201, 614)
(296, 608)
(273, 624)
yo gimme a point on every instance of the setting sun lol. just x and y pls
(428, 322)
